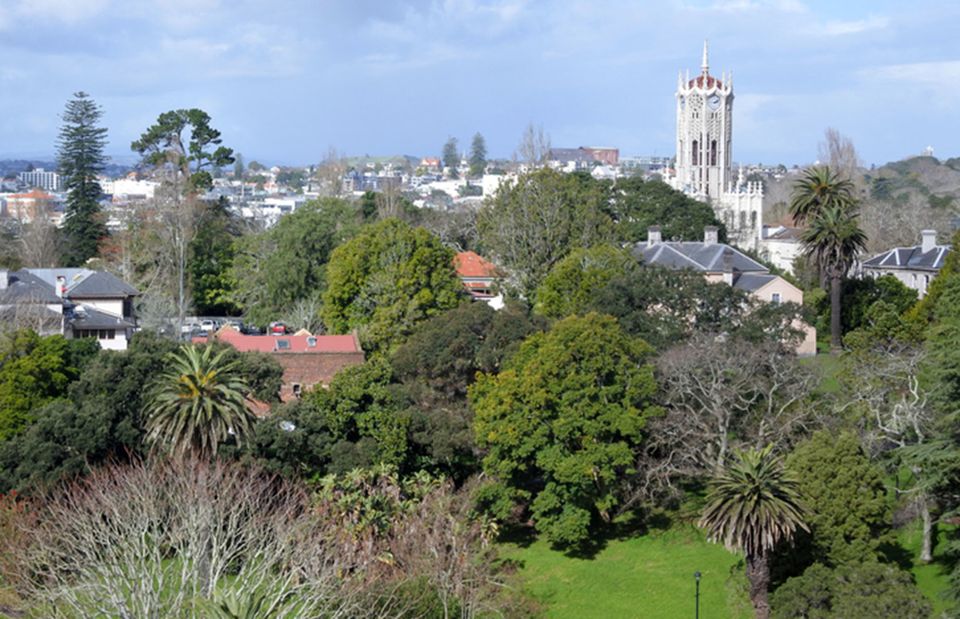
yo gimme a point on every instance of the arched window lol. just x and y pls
(743, 219)
(753, 219)
(713, 152)
(696, 152)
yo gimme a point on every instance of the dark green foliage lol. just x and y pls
(561, 424)
(478, 155)
(532, 224)
(859, 295)
(639, 204)
(451, 157)
(665, 307)
(862, 590)
(276, 269)
(572, 285)
(101, 421)
(36, 370)
(165, 143)
(437, 365)
(212, 252)
(80, 159)
(385, 281)
(850, 516)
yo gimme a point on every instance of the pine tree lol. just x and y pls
(478, 155)
(80, 158)
(451, 158)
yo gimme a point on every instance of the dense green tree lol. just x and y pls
(753, 505)
(850, 518)
(562, 422)
(386, 280)
(80, 159)
(239, 171)
(572, 285)
(212, 252)
(533, 223)
(198, 402)
(36, 370)
(863, 590)
(165, 143)
(824, 203)
(439, 362)
(451, 156)
(639, 204)
(478, 155)
(278, 268)
(859, 296)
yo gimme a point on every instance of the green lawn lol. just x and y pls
(649, 576)
(932, 578)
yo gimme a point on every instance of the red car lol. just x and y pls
(278, 328)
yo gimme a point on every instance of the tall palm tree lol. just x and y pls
(753, 505)
(834, 238)
(819, 188)
(196, 403)
(824, 202)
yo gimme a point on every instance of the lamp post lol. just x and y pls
(696, 576)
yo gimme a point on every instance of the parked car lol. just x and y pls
(208, 325)
(278, 328)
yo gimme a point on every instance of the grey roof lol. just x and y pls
(571, 154)
(85, 283)
(25, 287)
(910, 258)
(696, 255)
(751, 282)
(84, 317)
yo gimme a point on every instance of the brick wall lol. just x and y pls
(308, 369)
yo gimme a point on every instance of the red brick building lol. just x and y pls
(307, 360)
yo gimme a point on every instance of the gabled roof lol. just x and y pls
(288, 343)
(695, 255)
(471, 264)
(86, 283)
(751, 282)
(25, 287)
(910, 258)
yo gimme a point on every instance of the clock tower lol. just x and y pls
(704, 129)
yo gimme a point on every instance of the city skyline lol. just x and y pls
(371, 78)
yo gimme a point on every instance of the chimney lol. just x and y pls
(61, 286)
(4, 279)
(710, 235)
(653, 236)
(728, 266)
(928, 240)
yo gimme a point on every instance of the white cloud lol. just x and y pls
(945, 73)
(840, 28)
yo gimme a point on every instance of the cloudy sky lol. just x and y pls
(286, 80)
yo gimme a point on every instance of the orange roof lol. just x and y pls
(471, 264)
(35, 194)
(293, 343)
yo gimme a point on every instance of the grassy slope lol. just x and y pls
(932, 579)
(649, 576)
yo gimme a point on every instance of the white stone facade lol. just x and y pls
(703, 166)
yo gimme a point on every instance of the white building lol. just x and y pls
(704, 155)
(915, 266)
(48, 181)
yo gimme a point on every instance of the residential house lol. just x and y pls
(781, 246)
(73, 302)
(915, 266)
(720, 262)
(480, 277)
(307, 360)
(27, 207)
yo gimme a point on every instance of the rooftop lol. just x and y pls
(300, 343)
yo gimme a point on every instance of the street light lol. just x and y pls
(696, 576)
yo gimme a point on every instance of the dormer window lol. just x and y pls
(283, 344)
(312, 342)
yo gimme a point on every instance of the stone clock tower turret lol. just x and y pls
(704, 130)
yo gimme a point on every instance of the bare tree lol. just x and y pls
(721, 394)
(839, 153)
(884, 385)
(39, 243)
(534, 148)
(330, 173)
(176, 215)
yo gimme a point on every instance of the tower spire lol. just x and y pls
(705, 65)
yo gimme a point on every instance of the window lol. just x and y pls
(283, 344)
(312, 342)
(776, 298)
(297, 390)
(696, 153)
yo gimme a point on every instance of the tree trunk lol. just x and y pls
(836, 344)
(926, 552)
(758, 573)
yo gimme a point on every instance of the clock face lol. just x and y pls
(713, 101)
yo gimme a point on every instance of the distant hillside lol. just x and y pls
(12, 167)
(899, 200)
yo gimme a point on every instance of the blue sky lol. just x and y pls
(287, 80)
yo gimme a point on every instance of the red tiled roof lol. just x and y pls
(35, 194)
(711, 82)
(296, 343)
(470, 264)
